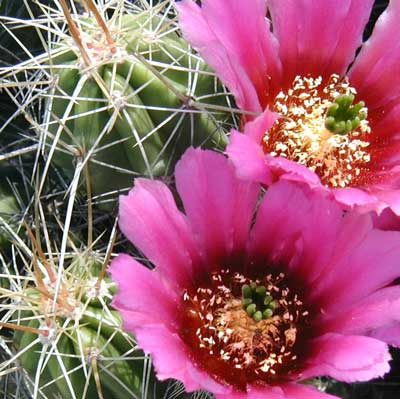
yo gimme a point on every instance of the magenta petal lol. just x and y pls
(171, 359)
(359, 269)
(140, 289)
(306, 230)
(390, 335)
(283, 168)
(242, 50)
(379, 310)
(246, 152)
(377, 68)
(257, 128)
(390, 198)
(318, 37)
(284, 391)
(347, 358)
(255, 393)
(387, 220)
(219, 205)
(364, 202)
(150, 219)
(248, 158)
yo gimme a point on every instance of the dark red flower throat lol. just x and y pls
(246, 329)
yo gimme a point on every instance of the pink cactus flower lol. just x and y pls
(249, 298)
(330, 119)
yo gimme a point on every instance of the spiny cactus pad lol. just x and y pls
(70, 342)
(127, 98)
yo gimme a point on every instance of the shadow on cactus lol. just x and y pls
(127, 96)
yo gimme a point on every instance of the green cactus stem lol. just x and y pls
(123, 100)
(73, 344)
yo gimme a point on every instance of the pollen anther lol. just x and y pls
(251, 327)
(320, 128)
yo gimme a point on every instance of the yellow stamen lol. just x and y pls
(301, 135)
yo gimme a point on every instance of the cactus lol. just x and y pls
(8, 209)
(72, 343)
(72, 130)
(122, 97)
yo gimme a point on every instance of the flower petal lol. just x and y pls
(363, 201)
(150, 219)
(269, 392)
(390, 335)
(171, 359)
(385, 124)
(318, 37)
(242, 50)
(283, 391)
(142, 296)
(283, 168)
(347, 358)
(391, 198)
(358, 268)
(379, 310)
(387, 220)
(246, 152)
(306, 230)
(376, 70)
(248, 158)
(219, 206)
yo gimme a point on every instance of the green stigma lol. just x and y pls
(257, 302)
(342, 116)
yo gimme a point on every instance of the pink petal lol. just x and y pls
(390, 335)
(284, 391)
(358, 269)
(318, 37)
(142, 296)
(359, 199)
(377, 68)
(171, 359)
(242, 50)
(387, 220)
(347, 358)
(373, 197)
(293, 171)
(302, 235)
(148, 216)
(390, 198)
(248, 158)
(257, 128)
(270, 392)
(379, 310)
(219, 206)
(246, 152)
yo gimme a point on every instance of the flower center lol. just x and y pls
(257, 302)
(319, 127)
(244, 330)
